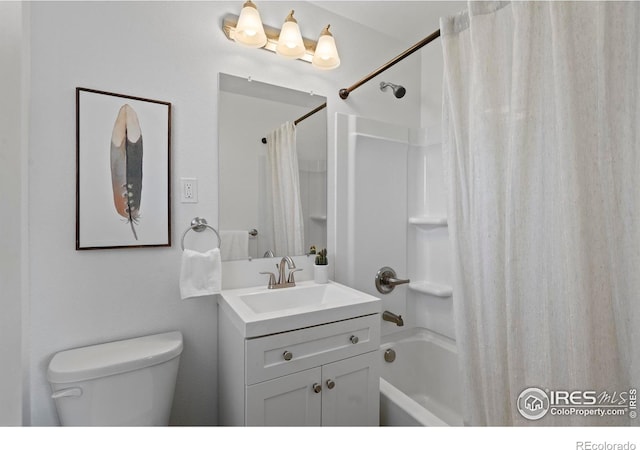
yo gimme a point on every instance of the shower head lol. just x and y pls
(398, 90)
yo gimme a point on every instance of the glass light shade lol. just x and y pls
(249, 30)
(326, 55)
(290, 42)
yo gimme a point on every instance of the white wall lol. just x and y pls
(12, 201)
(172, 52)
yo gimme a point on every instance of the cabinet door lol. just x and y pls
(285, 401)
(354, 398)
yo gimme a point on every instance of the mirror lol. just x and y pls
(248, 111)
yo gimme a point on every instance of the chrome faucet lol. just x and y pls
(391, 317)
(283, 280)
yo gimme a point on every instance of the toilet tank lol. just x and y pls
(123, 383)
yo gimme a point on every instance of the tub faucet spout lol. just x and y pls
(391, 317)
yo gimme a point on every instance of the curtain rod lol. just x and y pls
(306, 116)
(310, 113)
(344, 93)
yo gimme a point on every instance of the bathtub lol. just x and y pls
(421, 387)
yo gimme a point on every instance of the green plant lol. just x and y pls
(321, 258)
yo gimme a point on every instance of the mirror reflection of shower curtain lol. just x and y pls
(284, 225)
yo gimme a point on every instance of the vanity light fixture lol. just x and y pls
(249, 29)
(287, 42)
(326, 54)
(290, 44)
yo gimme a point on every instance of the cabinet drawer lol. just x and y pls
(309, 347)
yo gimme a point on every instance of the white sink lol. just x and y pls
(313, 296)
(258, 311)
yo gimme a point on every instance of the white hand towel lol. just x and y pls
(235, 244)
(201, 273)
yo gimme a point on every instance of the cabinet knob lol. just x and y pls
(354, 339)
(331, 384)
(317, 387)
(287, 355)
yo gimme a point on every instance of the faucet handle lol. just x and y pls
(290, 279)
(272, 279)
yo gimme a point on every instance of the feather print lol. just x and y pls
(126, 166)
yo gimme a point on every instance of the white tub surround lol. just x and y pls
(415, 239)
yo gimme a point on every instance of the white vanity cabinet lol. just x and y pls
(342, 393)
(325, 374)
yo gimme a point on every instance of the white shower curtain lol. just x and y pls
(284, 191)
(541, 137)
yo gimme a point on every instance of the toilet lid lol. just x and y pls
(112, 358)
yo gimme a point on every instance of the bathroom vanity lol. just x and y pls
(301, 356)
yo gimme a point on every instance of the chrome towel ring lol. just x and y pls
(200, 224)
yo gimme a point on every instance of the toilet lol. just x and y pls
(123, 383)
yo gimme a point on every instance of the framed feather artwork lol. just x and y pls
(123, 147)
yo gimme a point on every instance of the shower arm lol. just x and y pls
(344, 93)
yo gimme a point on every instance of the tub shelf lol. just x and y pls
(429, 221)
(430, 288)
